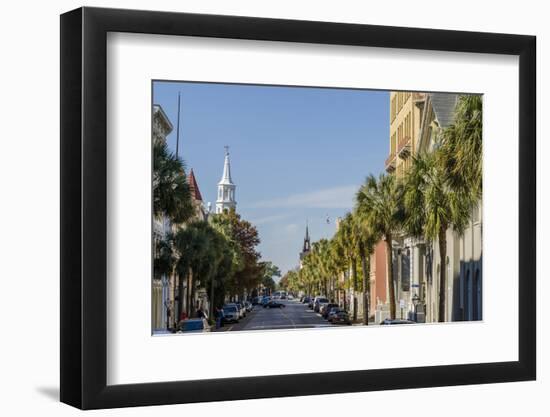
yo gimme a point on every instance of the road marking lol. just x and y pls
(298, 326)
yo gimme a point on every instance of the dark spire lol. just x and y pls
(307, 244)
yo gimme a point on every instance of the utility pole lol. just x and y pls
(178, 126)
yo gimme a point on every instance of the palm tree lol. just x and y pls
(192, 245)
(379, 203)
(171, 193)
(366, 240)
(434, 205)
(347, 240)
(164, 258)
(462, 145)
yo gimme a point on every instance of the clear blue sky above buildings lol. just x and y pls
(297, 153)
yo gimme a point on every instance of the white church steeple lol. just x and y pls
(226, 188)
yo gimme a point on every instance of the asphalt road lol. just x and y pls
(294, 315)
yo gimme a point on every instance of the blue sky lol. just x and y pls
(297, 154)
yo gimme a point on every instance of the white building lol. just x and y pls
(463, 262)
(226, 188)
(161, 302)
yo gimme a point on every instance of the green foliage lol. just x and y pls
(432, 203)
(171, 193)
(462, 146)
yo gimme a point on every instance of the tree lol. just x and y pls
(433, 205)
(269, 270)
(246, 237)
(379, 203)
(366, 239)
(164, 258)
(171, 193)
(196, 255)
(347, 241)
(462, 146)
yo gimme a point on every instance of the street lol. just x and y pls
(294, 316)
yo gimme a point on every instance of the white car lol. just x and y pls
(231, 313)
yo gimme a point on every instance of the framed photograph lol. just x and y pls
(259, 208)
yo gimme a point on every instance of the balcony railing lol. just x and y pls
(390, 162)
(404, 148)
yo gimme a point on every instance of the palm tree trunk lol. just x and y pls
(442, 272)
(192, 303)
(354, 283)
(391, 286)
(180, 299)
(211, 312)
(188, 295)
(366, 287)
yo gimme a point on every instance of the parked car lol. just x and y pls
(339, 316)
(317, 303)
(265, 300)
(305, 299)
(242, 309)
(248, 305)
(231, 313)
(396, 321)
(193, 326)
(325, 309)
(274, 304)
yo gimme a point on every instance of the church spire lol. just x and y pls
(307, 243)
(226, 176)
(307, 246)
(226, 188)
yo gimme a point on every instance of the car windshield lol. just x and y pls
(322, 300)
(229, 309)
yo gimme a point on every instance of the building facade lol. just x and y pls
(164, 298)
(406, 112)
(161, 297)
(463, 262)
(416, 123)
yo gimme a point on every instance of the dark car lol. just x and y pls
(306, 299)
(339, 316)
(274, 304)
(326, 309)
(396, 321)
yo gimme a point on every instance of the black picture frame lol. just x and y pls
(84, 207)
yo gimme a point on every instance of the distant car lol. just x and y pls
(265, 300)
(231, 313)
(396, 321)
(326, 309)
(339, 316)
(248, 305)
(317, 303)
(194, 326)
(290, 297)
(305, 299)
(274, 304)
(242, 309)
